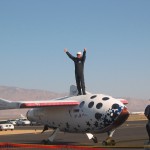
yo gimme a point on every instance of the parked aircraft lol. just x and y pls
(89, 114)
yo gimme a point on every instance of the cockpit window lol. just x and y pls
(92, 97)
(91, 104)
(82, 104)
(99, 105)
(115, 106)
(105, 98)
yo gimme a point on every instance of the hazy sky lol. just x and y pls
(116, 33)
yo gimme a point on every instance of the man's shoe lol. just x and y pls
(84, 93)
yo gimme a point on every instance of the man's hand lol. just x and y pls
(65, 50)
(84, 49)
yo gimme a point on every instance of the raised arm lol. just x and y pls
(84, 54)
(69, 55)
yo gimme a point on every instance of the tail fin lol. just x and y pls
(6, 104)
(73, 90)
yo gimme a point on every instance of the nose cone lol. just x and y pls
(121, 118)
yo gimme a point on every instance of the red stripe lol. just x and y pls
(124, 101)
(47, 104)
(74, 147)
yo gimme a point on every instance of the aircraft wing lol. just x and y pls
(125, 102)
(6, 104)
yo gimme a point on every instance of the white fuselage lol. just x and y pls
(96, 113)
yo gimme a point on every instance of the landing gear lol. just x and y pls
(45, 128)
(92, 137)
(109, 140)
(46, 142)
(95, 139)
(51, 138)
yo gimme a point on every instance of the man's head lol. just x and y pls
(79, 54)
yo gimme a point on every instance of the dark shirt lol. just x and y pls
(79, 63)
(147, 112)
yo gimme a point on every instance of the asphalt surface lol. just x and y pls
(130, 135)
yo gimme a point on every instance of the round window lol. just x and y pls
(105, 98)
(115, 106)
(92, 97)
(82, 104)
(91, 104)
(99, 105)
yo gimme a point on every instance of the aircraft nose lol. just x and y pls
(122, 117)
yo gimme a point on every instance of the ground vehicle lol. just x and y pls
(23, 122)
(12, 121)
(4, 125)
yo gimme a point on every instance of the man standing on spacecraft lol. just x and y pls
(79, 70)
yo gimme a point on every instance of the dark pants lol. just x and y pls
(80, 84)
(148, 129)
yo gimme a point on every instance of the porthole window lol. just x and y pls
(82, 104)
(92, 97)
(99, 105)
(105, 98)
(115, 106)
(91, 104)
(98, 116)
